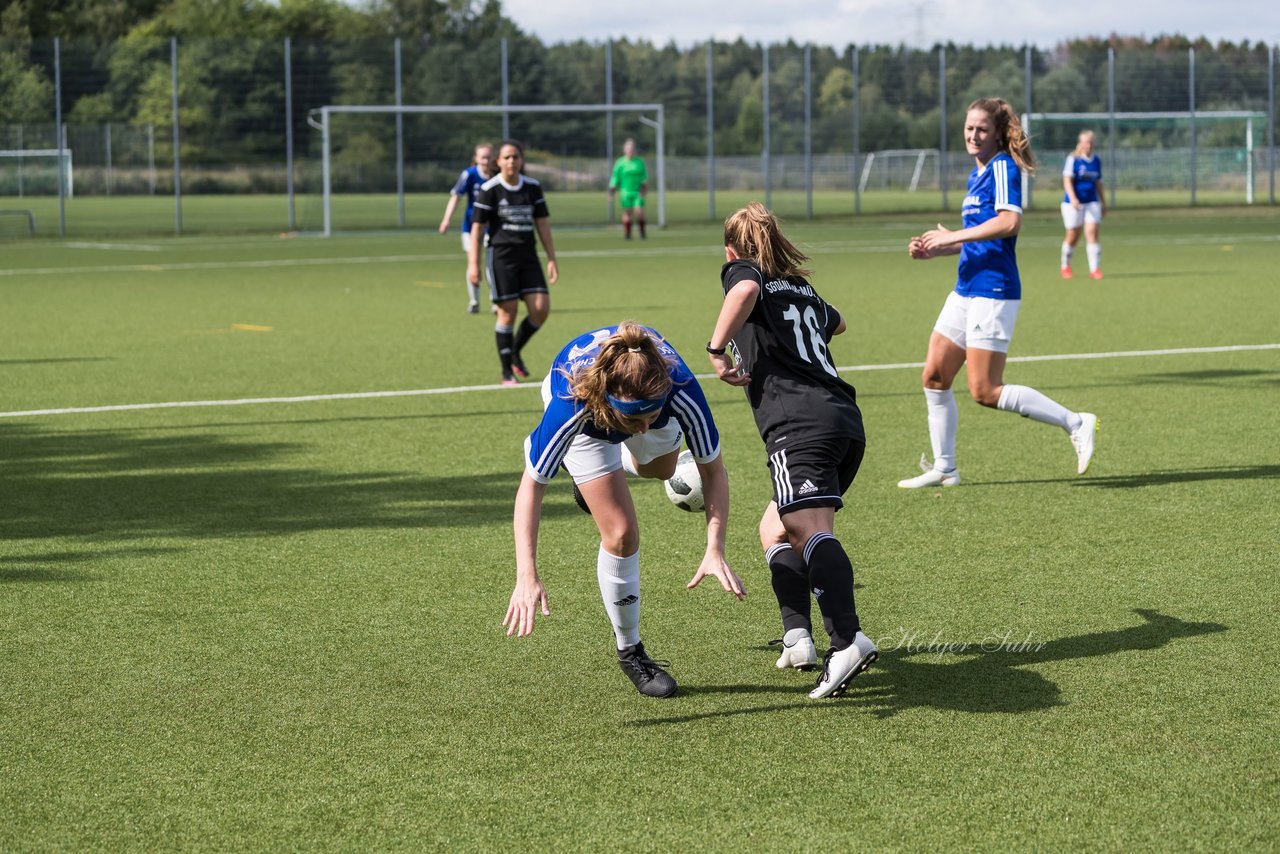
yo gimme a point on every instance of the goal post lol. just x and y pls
(36, 182)
(1111, 125)
(321, 119)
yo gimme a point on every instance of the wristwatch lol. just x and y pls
(715, 351)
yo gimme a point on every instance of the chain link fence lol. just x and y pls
(163, 136)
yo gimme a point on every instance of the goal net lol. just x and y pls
(382, 167)
(906, 169)
(1157, 155)
(34, 172)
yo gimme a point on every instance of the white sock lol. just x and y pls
(943, 419)
(474, 291)
(619, 579)
(1067, 251)
(1030, 403)
(629, 461)
(1094, 251)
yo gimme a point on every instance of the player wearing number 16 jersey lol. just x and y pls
(780, 330)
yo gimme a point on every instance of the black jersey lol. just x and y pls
(508, 212)
(794, 386)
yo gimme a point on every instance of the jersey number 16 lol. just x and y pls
(810, 320)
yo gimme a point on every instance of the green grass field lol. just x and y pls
(275, 626)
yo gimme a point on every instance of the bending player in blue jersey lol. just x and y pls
(467, 187)
(976, 323)
(618, 398)
(812, 430)
(1083, 204)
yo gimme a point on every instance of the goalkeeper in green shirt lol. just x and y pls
(630, 179)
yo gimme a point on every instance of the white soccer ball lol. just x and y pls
(684, 488)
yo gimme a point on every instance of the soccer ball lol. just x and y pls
(684, 489)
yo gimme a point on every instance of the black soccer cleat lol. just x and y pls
(647, 675)
(517, 366)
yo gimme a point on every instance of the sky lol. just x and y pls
(919, 23)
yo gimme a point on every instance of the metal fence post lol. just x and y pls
(808, 133)
(711, 133)
(942, 124)
(399, 138)
(1191, 108)
(608, 126)
(506, 115)
(768, 180)
(151, 156)
(1271, 116)
(58, 141)
(288, 131)
(857, 134)
(1027, 183)
(106, 138)
(1111, 123)
(177, 159)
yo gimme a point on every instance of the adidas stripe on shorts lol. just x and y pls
(813, 472)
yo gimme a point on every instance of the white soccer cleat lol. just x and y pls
(841, 666)
(798, 651)
(931, 477)
(1082, 437)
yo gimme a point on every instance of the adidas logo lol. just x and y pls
(629, 600)
(806, 488)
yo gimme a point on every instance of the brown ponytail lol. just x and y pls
(1008, 127)
(629, 366)
(754, 234)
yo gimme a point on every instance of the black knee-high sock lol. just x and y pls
(831, 577)
(502, 334)
(641, 224)
(524, 333)
(790, 586)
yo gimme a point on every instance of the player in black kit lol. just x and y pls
(779, 329)
(511, 207)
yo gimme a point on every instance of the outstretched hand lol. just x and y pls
(526, 600)
(715, 565)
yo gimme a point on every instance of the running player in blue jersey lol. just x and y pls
(618, 401)
(466, 187)
(976, 323)
(1083, 204)
(808, 417)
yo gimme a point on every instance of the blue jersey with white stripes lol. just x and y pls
(989, 268)
(468, 185)
(1085, 173)
(566, 417)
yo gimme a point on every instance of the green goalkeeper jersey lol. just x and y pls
(628, 174)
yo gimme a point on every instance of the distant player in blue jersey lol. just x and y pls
(1083, 204)
(466, 187)
(976, 323)
(618, 401)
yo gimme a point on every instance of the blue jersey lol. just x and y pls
(468, 184)
(566, 417)
(1085, 173)
(989, 268)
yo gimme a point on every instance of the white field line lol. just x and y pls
(365, 395)
(881, 245)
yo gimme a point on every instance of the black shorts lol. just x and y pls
(814, 472)
(514, 274)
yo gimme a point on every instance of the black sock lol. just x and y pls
(524, 333)
(831, 577)
(642, 234)
(790, 586)
(503, 337)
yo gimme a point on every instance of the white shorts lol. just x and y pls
(982, 323)
(590, 458)
(1073, 217)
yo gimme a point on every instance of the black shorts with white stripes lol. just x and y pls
(514, 273)
(814, 472)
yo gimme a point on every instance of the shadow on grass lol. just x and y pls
(53, 566)
(111, 487)
(56, 361)
(1153, 478)
(976, 677)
